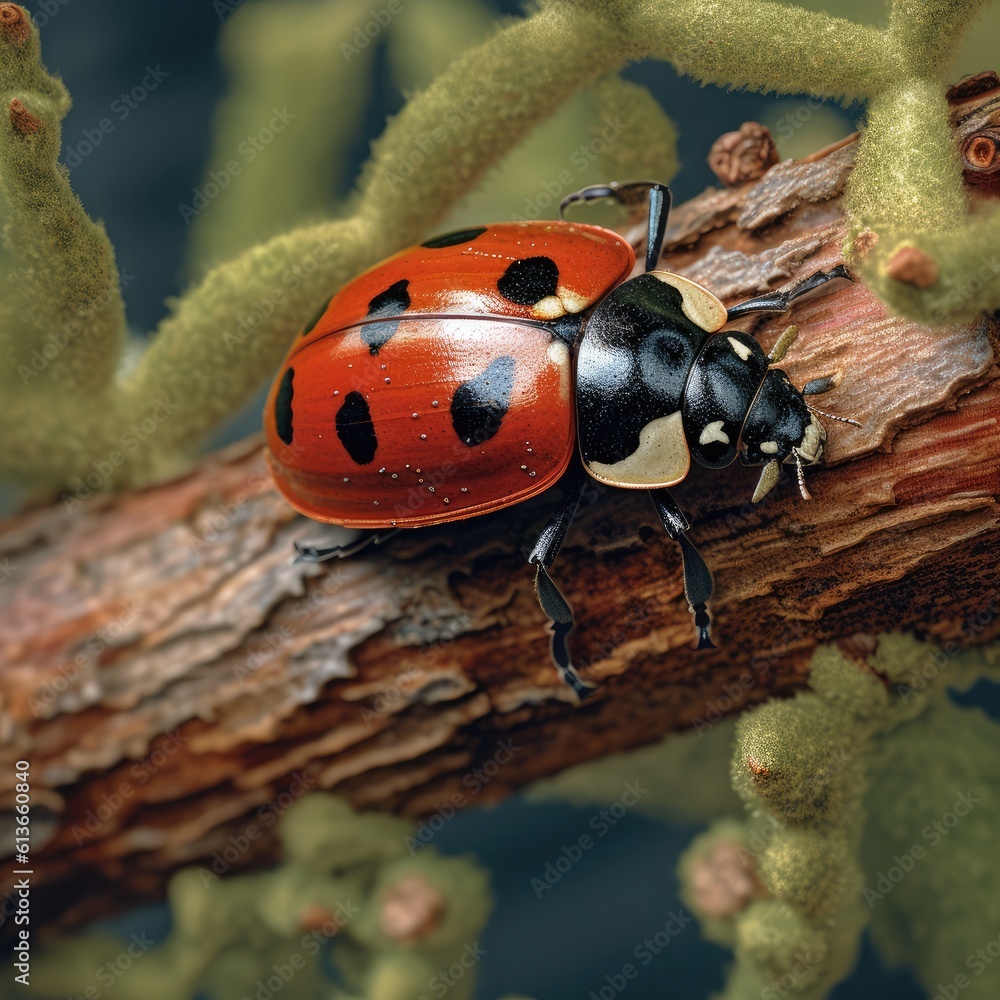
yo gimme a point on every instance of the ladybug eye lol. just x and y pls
(981, 155)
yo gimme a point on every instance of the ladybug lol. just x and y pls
(482, 367)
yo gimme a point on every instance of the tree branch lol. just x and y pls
(172, 676)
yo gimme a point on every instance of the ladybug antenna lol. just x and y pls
(833, 416)
(806, 495)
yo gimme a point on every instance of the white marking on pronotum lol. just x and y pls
(697, 302)
(741, 349)
(769, 447)
(662, 458)
(713, 432)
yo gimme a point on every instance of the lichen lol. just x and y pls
(394, 926)
(835, 780)
(869, 800)
(62, 327)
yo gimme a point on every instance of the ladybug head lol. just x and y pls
(780, 427)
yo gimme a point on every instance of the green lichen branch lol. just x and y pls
(227, 334)
(872, 799)
(61, 319)
(395, 924)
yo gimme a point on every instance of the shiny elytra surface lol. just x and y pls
(414, 462)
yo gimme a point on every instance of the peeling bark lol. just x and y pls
(172, 676)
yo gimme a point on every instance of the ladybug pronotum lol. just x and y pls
(482, 367)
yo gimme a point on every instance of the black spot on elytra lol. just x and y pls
(355, 428)
(283, 407)
(315, 318)
(394, 300)
(479, 405)
(530, 280)
(452, 239)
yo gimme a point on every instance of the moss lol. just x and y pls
(814, 873)
(846, 786)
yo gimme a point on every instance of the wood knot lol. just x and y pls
(913, 267)
(411, 909)
(981, 158)
(15, 28)
(22, 120)
(744, 155)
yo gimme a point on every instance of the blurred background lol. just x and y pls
(147, 168)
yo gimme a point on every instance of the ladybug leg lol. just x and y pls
(657, 196)
(309, 553)
(697, 577)
(775, 303)
(550, 597)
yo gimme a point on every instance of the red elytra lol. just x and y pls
(436, 386)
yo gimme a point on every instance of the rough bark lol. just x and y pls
(168, 671)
